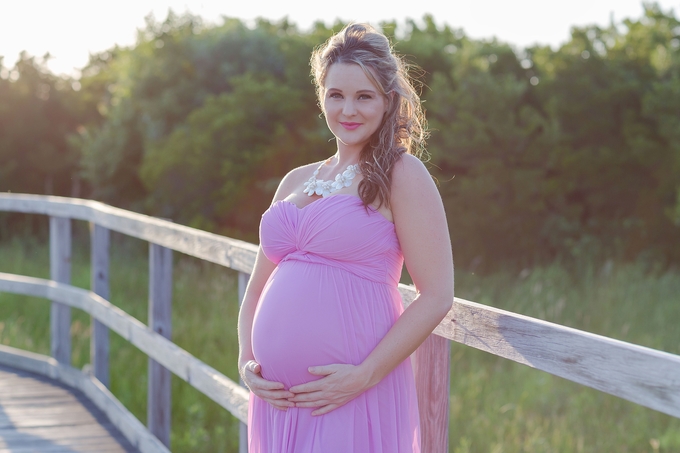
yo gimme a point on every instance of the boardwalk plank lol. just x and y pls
(83, 432)
(39, 415)
(46, 448)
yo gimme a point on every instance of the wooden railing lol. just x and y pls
(635, 373)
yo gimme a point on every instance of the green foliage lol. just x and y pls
(208, 168)
(37, 112)
(487, 155)
(614, 171)
(201, 122)
(540, 153)
(544, 154)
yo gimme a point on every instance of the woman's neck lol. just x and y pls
(346, 155)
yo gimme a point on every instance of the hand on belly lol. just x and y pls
(335, 386)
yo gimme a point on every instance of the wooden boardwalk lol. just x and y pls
(39, 415)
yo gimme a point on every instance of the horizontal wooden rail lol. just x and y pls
(232, 253)
(207, 380)
(642, 375)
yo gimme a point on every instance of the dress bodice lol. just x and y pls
(337, 231)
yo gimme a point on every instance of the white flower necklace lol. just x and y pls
(324, 188)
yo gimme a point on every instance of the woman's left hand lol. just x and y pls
(341, 383)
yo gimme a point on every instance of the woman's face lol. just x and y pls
(353, 105)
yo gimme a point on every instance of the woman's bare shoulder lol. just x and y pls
(409, 172)
(294, 179)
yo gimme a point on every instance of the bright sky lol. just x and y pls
(71, 29)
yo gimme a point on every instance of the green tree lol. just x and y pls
(539, 153)
(212, 171)
(167, 93)
(613, 166)
(37, 112)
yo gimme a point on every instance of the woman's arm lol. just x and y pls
(421, 227)
(271, 392)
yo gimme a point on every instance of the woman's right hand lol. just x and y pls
(271, 392)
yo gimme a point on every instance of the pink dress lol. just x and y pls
(331, 299)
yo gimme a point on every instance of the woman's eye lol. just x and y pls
(365, 96)
(335, 96)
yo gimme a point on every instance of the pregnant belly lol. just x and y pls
(307, 316)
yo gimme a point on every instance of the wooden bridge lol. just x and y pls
(48, 406)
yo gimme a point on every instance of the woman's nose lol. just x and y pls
(348, 109)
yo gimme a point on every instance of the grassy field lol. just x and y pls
(496, 405)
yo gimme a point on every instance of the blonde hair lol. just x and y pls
(403, 129)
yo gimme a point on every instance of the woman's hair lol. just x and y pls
(403, 129)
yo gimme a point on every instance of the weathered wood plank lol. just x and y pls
(160, 321)
(204, 378)
(42, 448)
(432, 371)
(63, 438)
(100, 239)
(232, 253)
(93, 390)
(59, 449)
(43, 418)
(60, 271)
(642, 375)
(72, 426)
(42, 401)
(28, 400)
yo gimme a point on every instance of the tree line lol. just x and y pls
(540, 154)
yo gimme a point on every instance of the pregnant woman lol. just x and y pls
(324, 340)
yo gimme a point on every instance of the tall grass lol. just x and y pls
(501, 406)
(496, 405)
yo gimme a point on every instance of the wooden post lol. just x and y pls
(60, 271)
(243, 428)
(432, 372)
(160, 321)
(99, 283)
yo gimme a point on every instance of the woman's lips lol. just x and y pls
(350, 126)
